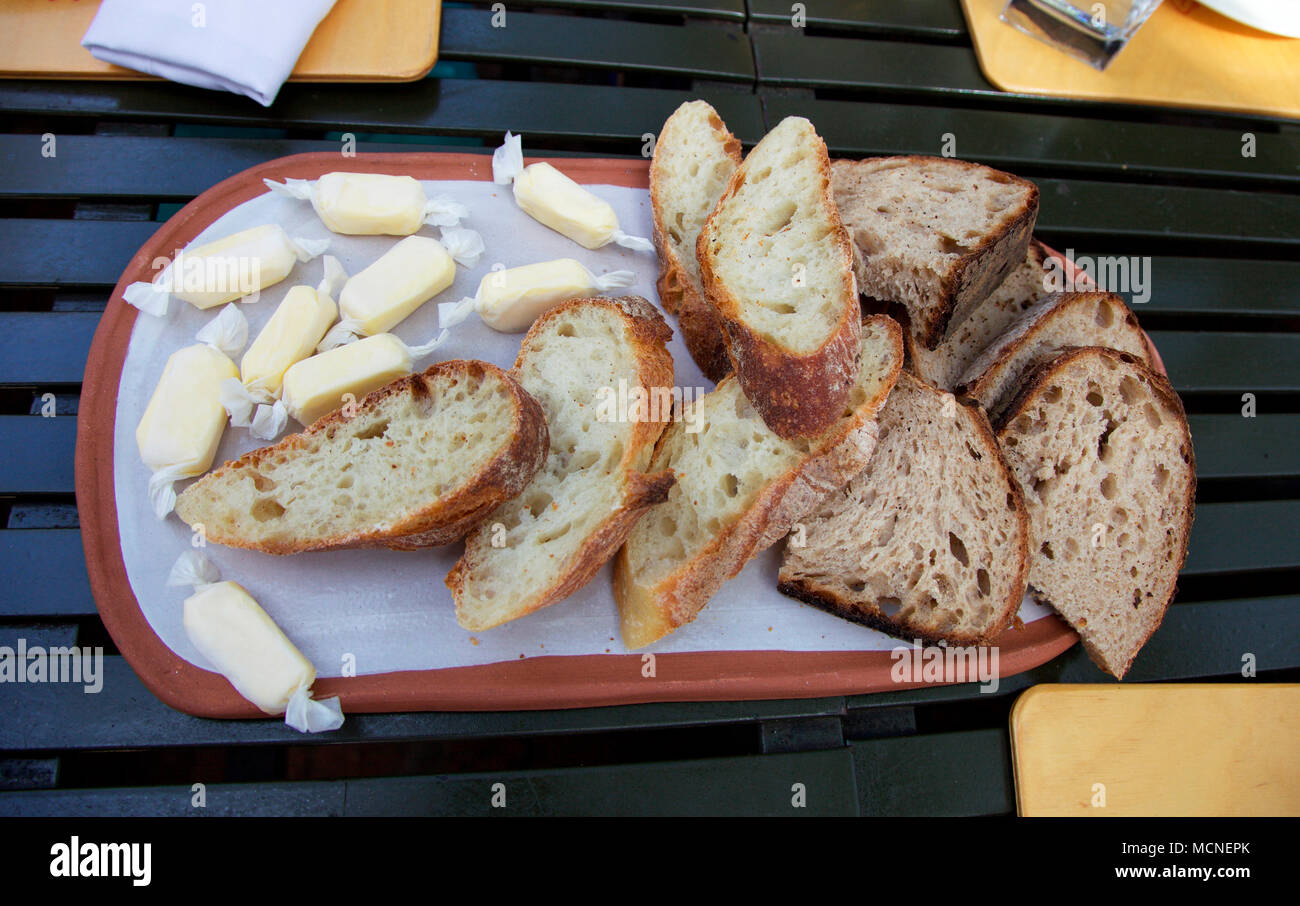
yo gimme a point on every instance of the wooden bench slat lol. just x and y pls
(949, 774)
(1221, 362)
(1229, 537)
(45, 347)
(1232, 446)
(941, 19)
(36, 454)
(43, 574)
(69, 252)
(694, 49)
(711, 9)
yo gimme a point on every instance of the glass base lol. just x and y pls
(1085, 34)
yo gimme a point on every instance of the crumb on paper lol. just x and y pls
(1017, 623)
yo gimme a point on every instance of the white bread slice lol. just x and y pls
(943, 367)
(777, 267)
(739, 489)
(594, 487)
(429, 454)
(1100, 444)
(693, 161)
(931, 541)
(935, 234)
(1058, 322)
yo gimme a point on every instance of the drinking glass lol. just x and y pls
(1090, 30)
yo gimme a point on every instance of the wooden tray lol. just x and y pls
(1186, 55)
(1158, 750)
(533, 683)
(359, 41)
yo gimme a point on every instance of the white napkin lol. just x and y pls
(245, 46)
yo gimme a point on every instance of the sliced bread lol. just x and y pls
(1058, 322)
(575, 513)
(935, 234)
(739, 489)
(944, 366)
(777, 267)
(931, 541)
(693, 161)
(1100, 444)
(429, 454)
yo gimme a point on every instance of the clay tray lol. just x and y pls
(533, 683)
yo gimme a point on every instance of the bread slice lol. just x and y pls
(739, 489)
(429, 454)
(693, 161)
(935, 234)
(931, 541)
(1060, 321)
(944, 366)
(576, 512)
(1100, 444)
(776, 265)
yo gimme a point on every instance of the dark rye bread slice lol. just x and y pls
(1059, 322)
(428, 455)
(740, 489)
(693, 161)
(548, 542)
(777, 267)
(1022, 288)
(931, 541)
(934, 234)
(1100, 444)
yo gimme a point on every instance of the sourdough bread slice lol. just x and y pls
(693, 161)
(935, 234)
(577, 510)
(1059, 322)
(931, 541)
(739, 489)
(943, 367)
(429, 454)
(777, 267)
(1100, 444)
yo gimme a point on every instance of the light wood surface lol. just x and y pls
(1186, 55)
(1157, 750)
(359, 41)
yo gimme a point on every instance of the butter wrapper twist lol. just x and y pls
(555, 200)
(239, 638)
(372, 204)
(511, 299)
(239, 266)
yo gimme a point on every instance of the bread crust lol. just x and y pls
(683, 593)
(832, 601)
(640, 490)
(796, 395)
(988, 369)
(442, 521)
(680, 294)
(981, 270)
(1036, 382)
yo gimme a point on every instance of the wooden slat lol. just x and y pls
(1223, 286)
(1215, 362)
(755, 785)
(43, 574)
(45, 347)
(1230, 537)
(1041, 143)
(36, 454)
(698, 50)
(476, 107)
(931, 19)
(1232, 446)
(945, 774)
(709, 9)
(69, 252)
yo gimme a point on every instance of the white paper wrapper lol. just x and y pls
(389, 610)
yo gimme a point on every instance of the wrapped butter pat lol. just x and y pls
(553, 199)
(236, 267)
(402, 279)
(183, 423)
(299, 323)
(322, 383)
(372, 204)
(511, 300)
(239, 638)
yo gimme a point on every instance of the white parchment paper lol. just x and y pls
(389, 610)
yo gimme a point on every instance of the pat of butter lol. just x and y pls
(227, 269)
(183, 423)
(511, 300)
(316, 386)
(304, 315)
(405, 277)
(232, 631)
(370, 204)
(552, 198)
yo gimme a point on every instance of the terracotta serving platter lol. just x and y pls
(531, 683)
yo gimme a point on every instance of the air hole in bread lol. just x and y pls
(1109, 487)
(868, 243)
(950, 246)
(1105, 317)
(1129, 390)
(730, 485)
(372, 431)
(344, 483)
(974, 454)
(982, 582)
(1153, 417)
(1162, 476)
(1052, 395)
(958, 549)
(1071, 547)
(262, 483)
(889, 606)
(537, 502)
(566, 330)
(1094, 398)
(1046, 551)
(554, 533)
(779, 217)
(266, 509)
